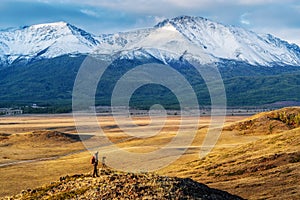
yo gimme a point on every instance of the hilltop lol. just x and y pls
(121, 185)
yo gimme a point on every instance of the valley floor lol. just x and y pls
(39, 149)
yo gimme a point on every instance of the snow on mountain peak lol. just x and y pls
(234, 43)
(53, 24)
(46, 41)
(206, 39)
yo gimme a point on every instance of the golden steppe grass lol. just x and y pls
(18, 143)
(255, 166)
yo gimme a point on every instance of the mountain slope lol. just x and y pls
(40, 62)
(23, 84)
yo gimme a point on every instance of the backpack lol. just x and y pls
(93, 160)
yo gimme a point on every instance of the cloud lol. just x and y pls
(143, 6)
(168, 5)
(264, 2)
(158, 19)
(90, 13)
(244, 20)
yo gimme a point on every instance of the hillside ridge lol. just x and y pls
(271, 122)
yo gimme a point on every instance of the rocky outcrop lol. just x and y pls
(120, 185)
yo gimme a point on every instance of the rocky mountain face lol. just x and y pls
(120, 185)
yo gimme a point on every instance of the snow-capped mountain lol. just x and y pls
(45, 41)
(208, 40)
(234, 43)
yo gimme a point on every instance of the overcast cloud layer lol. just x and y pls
(280, 18)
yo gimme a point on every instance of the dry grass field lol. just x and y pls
(255, 162)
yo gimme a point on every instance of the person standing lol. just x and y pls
(94, 162)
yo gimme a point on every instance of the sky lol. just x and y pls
(277, 17)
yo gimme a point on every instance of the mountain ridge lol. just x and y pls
(210, 40)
